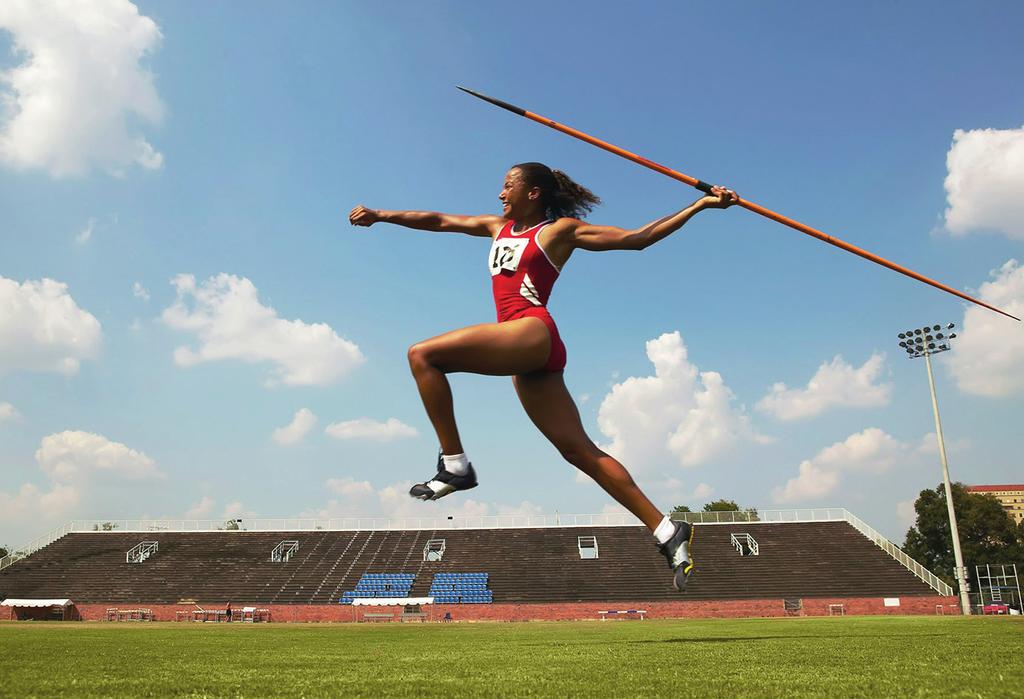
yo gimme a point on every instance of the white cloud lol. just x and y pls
(680, 414)
(987, 358)
(929, 445)
(230, 323)
(8, 412)
(702, 491)
(70, 456)
(985, 180)
(869, 451)
(835, 383)
(296, 430)
(41, 509)
(139, 291)
(85, 235)
(86, 472)
(366, 428)
(234, 510)
(43, 329)
(77, 98)
(201, 510)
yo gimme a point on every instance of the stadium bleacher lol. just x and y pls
(521, 565)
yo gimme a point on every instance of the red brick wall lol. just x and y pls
(563, 611)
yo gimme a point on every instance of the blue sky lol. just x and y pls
(226, 143)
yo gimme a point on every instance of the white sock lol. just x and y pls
(664, 531)
(456, 463)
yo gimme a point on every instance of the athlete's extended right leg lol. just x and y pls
(549, 405)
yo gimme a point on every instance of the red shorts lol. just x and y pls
(557, 356)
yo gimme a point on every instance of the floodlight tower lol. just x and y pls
(924, 342)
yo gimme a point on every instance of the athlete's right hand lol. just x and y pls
(361, 216)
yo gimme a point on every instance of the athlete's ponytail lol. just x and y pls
(562, 197)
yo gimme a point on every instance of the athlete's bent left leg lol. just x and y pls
(503, 349)
(549, 405)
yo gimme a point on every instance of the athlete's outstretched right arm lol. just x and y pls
(483, 226)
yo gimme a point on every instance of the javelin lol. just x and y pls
(706, 188)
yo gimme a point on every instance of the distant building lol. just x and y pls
(1011, 497)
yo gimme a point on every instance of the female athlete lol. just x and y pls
(539, 228)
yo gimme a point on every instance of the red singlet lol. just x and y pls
(522, 276)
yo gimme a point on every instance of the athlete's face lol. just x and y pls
(516, 197)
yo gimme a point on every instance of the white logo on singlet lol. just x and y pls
(506, 253)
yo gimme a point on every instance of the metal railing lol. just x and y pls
(816, 514)
(283, 552)
(357, 523)
(744, 543)
(36, 544)
(928, 577)
(141, 551)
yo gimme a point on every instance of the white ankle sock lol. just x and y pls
(456, 463)
(664, 531)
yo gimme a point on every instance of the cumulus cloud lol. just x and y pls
(229, 322)
(929, 445)
(834, 384)
(70, 456)
(985, 180)
(83, 470)
(988, 353)
(139, 291)
(296, 430)
(43, 329)
(680, 415)
(366, 428)
(41, 508)
(869, 451)
(8, 412)
(77, 98)
(234, 510)
(359, 498)
(201, 510)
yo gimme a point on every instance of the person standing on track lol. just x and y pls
(539, 228)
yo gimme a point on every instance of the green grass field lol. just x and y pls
(831, 657)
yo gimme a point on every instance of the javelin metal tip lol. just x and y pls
(496, 102)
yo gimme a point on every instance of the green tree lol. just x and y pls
(987, 535)
(681, 509)
(722, 505)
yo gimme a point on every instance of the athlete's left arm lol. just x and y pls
(588, 236)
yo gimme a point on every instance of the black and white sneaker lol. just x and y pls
(677, 551)
(444, 483)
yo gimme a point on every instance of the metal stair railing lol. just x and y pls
(744, 543)
(283, 552)
(34, 545)
(141, 551)
(925, 575)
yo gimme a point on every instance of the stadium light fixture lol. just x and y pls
(923, 345)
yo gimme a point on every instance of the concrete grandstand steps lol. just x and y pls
(820, 559)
